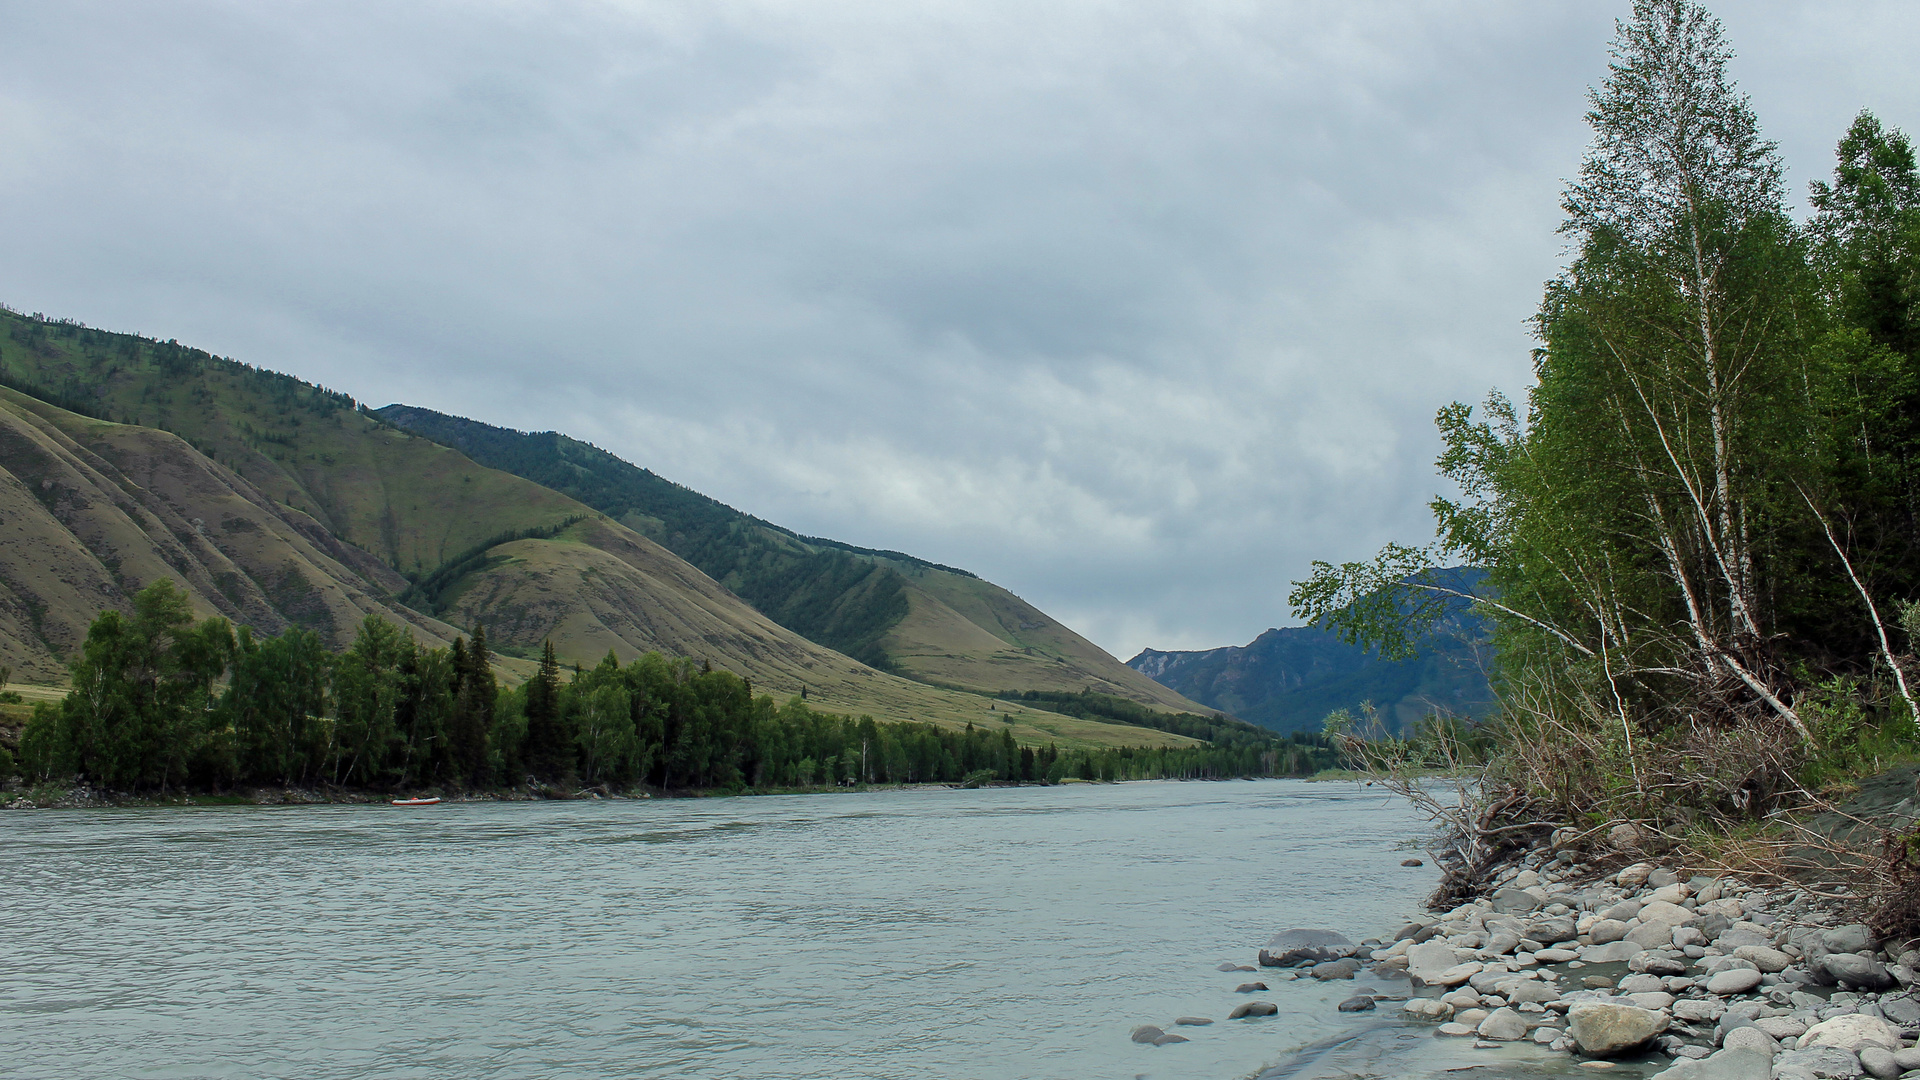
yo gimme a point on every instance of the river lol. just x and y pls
(1017, 932)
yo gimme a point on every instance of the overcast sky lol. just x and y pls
(1134, 308)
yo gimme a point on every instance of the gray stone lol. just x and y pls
(1604, 1030)
(1515, 901)
(1781, 1027)
(1660, 965)
(1607, 930)
(1503, 1025)
(1750, 1038)
(1169, 1039)
(1362, 1003)
(1764, 957)
(1703, 1010)
(1634, 876)
(1293, 946)
(1553, 931)
(1193, 1021)
(1253, 1008)
(1610, 954)
(1625, 838)
(1857, 972)
(1660, 911)
(1501, 942)
(1725, 1065)
(1456, 974)
(1434, 956)
(1146, 1033)
(1653, 935)
(1661, 878)
(1641, 984)
(1822, 1062)
(1248, 988)
(1335, 969)
(1735, 981)
(1532, 991)
(1852, 938)
(1230, 967)
(1909, 1058)
(1851, 1032)
(1880, 1063)
(1453, 1029)
(1903, 1011)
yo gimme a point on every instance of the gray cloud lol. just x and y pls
(1134, 308)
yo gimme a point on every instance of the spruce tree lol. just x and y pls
(549, 755)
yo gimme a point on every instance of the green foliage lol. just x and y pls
(1691, 528)
(147, 713)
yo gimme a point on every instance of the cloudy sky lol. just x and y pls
(1133, 307)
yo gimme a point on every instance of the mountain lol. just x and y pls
(1290, 679)
(932, 623)
(277, 503)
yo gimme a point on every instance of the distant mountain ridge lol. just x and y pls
(1289, 679)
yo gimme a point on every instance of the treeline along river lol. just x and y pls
(163, 703)
(1002, 932)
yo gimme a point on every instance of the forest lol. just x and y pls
(1701, 525)
(163, 703)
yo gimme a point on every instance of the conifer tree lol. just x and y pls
(549, 754)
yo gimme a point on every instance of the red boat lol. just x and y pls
(416, 802)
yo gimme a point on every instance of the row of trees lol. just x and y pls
(163, 702)
(1703, 527)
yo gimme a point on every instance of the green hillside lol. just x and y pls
(276, 503)
(929, 622)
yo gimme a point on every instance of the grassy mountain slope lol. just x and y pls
(929, 622)
(1290, 679)
(277, 503)
(91, 512)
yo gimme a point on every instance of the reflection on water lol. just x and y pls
(990, 933)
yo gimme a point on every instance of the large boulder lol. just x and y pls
(1253, 1008)
(1604, 1030)
(1904, 1011)
(1852, 938)
(1733, 981)
(1817, 1063)
(1857, 972)
(1880, 1064)
(1851, 1032)
(1503, 1025)
(1434, 956)
(1291, 947)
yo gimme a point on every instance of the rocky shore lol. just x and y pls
(1693, 978)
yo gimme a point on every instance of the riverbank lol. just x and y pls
(83, 797)
(1645, 970)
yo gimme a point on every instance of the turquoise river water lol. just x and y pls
(1017, 933)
